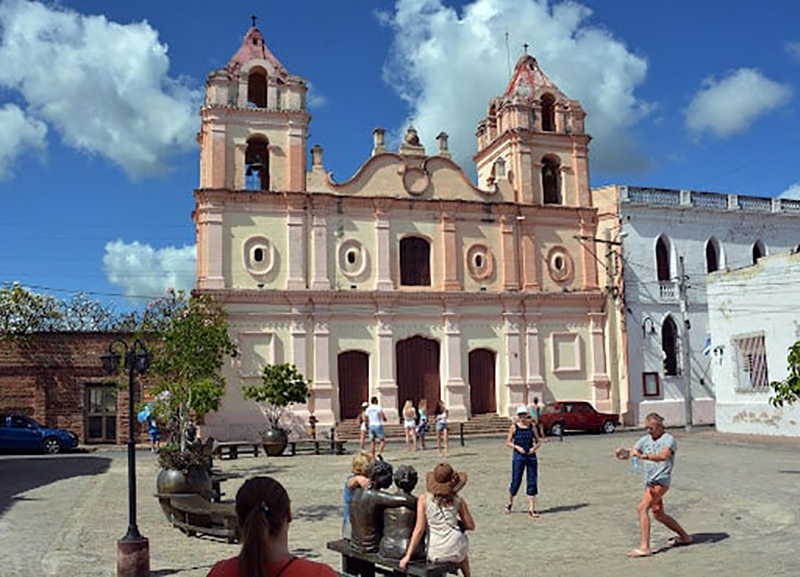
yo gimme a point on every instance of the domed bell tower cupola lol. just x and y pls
(534, 135)
(254, 123)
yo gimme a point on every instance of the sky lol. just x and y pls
(99, 107)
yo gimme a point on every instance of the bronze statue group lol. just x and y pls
(392, 524)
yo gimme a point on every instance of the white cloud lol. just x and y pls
(447, 64)
(142, 270)
(729, 106)
(104, 86)
(793, 49)
(314, 98)
(792, 192)
(20, 132)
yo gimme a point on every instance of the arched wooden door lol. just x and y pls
(418, 371)
(481, 382)
(353, 383)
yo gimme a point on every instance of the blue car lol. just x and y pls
(21, 433)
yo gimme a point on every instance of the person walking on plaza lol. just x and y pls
(536, 413)
(155, 433)
(657, 450)
(363, 428)
(442, 429)
(410, 425)
(423, 426)
(264, 513)
(523, 440)
(446, 516)
(375, 418)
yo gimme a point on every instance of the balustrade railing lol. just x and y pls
(668, 290)
(654, 195)
(755, 204)
(710, 200)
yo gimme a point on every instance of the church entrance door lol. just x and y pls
(481, 382)
(418, 372)
(353, 383)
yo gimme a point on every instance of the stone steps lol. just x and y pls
(480, 425)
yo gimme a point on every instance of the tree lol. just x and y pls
(788, 390)
(189, 341)
(280, 386)
(23, 312)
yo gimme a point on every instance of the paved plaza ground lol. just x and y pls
(739, 497)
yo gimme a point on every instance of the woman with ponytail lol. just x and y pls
(264, 513)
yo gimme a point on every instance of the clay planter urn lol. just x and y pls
(275, 441)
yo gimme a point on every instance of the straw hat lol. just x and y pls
(444, 481)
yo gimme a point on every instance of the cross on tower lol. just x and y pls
(253, 17)
(525, 46)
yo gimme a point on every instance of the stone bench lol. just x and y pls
(232, 449)
(355, 562)
(193, 514)
(335, 446)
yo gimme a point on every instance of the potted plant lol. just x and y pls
(280, 386)
(184, 471)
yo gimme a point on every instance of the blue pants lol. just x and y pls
(519, 465)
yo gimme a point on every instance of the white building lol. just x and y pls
(754, 319)
(656, 227)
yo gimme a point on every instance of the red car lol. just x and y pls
(576, 415)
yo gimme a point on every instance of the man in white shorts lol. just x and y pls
(375, 420)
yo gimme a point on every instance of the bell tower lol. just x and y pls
(533, 135)
(253, 123)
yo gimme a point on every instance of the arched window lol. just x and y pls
(548, 113)
(256, 161)
(551, 180)
(257, 88)
(712, 255)
(758, 251)
(415, 257)
(669, 346)
(662, 259)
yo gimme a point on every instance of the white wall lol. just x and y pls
(759, 299)
(688, 228)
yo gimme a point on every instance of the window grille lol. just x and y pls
(751, 355)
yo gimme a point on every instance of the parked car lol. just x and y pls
(576, 415)
(21, 433)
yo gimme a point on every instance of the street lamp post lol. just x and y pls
(133, 550)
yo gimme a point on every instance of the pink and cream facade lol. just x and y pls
(406, 281)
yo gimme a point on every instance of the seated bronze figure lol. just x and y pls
(367, 508)
(398, 522)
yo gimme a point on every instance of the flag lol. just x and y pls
(707, 346)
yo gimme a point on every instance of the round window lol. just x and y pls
(258, 255)
(559, 263)
(352, 259)
(352, 256)
(478, 261)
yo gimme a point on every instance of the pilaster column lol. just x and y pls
(534, 356)
(580, 164)
(525, 178)
(210, 232)
(296, 246)
(537, 117)
(455, 387)
(508, 225)
(241, 101)
(299, 335)
(383, 254)
(387, 386)
(295, 159)
(236, 179)
(530, 259)
(321, 386)
(537, 195)
(561, 119)
(601, 384)
(588, 260)
(320, 279)
(272, 93)
(451, 253)
(515, 384)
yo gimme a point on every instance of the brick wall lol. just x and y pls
(46, 378)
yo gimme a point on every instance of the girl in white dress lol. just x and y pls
(410, 425)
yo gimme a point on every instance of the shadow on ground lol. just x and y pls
(698, 539)
(317, 512)
(27, 473)
(166, 572)
(564, 508)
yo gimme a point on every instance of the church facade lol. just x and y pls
(407, 281)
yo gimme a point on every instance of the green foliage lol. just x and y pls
(280, 386)
(23, 313)
(173, 457)
(788, 390)
(189, 340)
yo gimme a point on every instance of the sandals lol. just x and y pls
(636, 553)
(507, 509)
(533, 514)
(677, 542)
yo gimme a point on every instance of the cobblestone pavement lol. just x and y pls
(739, 497)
